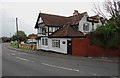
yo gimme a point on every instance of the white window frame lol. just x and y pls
(86, 26)
(44, 41)
(56, 43)
(44, 31)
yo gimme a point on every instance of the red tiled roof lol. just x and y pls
(55, 20)
(75, 18)
(66, 31)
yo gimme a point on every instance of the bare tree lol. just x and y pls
(112, 9)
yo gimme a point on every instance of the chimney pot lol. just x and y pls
(75, 12)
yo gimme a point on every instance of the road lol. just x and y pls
(19, 63)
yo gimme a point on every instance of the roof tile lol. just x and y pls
(67, 31)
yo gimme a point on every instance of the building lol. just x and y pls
(55, 32)
(32, 39)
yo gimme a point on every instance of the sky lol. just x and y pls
(27, 12)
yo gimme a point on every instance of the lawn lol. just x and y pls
(14, 45)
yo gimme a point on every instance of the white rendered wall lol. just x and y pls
(84, 20)
(44, 47)
(38, 44)
(63, 47)
(40, 20)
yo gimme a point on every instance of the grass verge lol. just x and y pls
(14, 45)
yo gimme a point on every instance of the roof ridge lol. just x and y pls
(54, 15)
(61, 15)
(57, 20)
(78, 14)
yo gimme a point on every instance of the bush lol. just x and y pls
(106, 36)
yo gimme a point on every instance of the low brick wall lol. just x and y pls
(28, 46)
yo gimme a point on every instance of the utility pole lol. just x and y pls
(10, 35)
(17, 31)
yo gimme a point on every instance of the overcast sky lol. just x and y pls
(27, 12)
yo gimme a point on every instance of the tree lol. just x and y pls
(14, 38)
(112, 9)
(107, 36)
(5, 39)
(21, 36)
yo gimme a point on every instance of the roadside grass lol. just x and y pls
(14, 45)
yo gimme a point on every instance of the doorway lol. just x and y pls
(69, 47)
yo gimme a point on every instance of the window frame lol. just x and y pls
(86, 26)
(42, 41)
(50, 29)
(43, 31)
(56, 43)
(45, 41)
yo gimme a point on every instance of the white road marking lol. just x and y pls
(24, 59)
(8, 54)
(60, 67)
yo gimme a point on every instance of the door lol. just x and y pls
(69, 47)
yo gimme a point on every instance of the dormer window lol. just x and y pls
(86, 27)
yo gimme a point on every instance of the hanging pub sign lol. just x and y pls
(92, 20)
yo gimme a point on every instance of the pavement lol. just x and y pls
(17, 62)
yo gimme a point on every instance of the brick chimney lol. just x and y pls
(76, 12)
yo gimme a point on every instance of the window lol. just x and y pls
(56, 43)
(50, 29)
(86, 27)
(44, 31)
(56, 28)
(44, 41)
